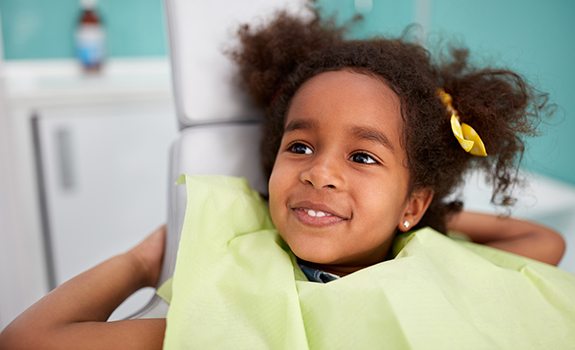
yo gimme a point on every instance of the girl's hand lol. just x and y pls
(148, 256)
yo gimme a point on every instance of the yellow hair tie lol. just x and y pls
(465, 134)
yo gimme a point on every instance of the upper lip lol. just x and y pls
(318, 207)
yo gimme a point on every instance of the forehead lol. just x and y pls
(345, 98)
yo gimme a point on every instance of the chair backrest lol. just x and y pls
(201, 32)
(220, 129)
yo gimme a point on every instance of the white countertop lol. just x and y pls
(51, 80)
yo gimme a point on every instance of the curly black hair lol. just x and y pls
(276, 59)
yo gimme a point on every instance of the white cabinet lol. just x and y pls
(91, 164)
(104, 177)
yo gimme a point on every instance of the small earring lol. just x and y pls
(406, 224)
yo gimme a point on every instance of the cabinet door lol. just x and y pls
(103, 173)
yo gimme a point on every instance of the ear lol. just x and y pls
(416, 206)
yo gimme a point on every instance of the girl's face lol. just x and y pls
(339, 186)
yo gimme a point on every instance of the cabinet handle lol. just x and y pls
(64, 159)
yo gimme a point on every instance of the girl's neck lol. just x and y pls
(338, 270)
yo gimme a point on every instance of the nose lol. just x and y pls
(323, 172)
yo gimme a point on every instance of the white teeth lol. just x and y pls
(317, 214)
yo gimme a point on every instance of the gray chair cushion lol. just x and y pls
(216, 149)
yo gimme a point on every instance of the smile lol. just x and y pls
(316, 217)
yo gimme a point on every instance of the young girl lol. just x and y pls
(363, 141)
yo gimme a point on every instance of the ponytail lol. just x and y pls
(503, 108)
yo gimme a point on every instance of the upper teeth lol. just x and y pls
(316, 213)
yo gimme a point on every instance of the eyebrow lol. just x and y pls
(373, 135)
(359, 132)
(300, 124)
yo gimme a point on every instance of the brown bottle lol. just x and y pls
(90, 38)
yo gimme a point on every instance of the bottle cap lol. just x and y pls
(88, 4)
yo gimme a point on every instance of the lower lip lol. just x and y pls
(304, 218)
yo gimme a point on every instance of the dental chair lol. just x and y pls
(219, 129)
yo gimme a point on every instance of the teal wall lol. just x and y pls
(530, 36)
(44, 29)
(534, 38)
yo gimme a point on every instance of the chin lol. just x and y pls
(314, 255)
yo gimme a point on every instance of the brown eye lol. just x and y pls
(363, 158)
(300, 148)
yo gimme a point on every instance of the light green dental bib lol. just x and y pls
(236, 286)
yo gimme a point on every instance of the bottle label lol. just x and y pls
(90, 44)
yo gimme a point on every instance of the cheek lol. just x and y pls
(275, 181)
(280, 177)
(383, 201)
(276, 190)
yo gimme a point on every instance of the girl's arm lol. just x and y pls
(73, 316)
(517, 236)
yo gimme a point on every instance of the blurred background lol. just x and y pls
(35, 29)
(87, 118)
